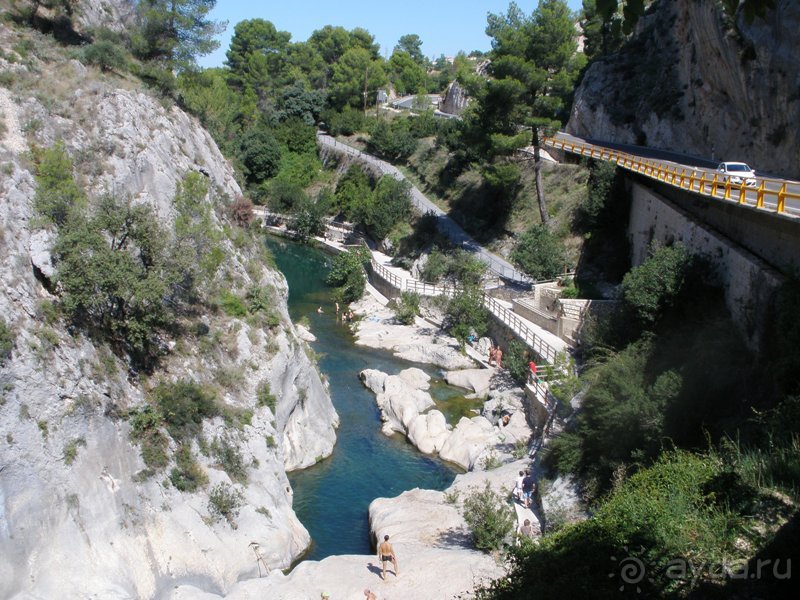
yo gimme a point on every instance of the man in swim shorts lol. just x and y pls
(386, 554)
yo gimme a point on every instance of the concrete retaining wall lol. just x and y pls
(749, 282)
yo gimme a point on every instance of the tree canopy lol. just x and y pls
(176, 31)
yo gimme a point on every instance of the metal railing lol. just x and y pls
(505, 315)
(695, 180)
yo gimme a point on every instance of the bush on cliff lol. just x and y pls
(489, 517)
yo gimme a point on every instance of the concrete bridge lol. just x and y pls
(751, 235)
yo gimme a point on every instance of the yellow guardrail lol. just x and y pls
(694, 180)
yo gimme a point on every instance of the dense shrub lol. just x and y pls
(466, 315)
(6, 342)
(230, 459)
(232, 304)
(285, 196)
(184, 404)
(516, 360)
(489, 517)
(407, 308)
(265, 397)
(107, 55)
(683, 508)
(224, 501)
(539, 253)
(57, 193)
(347, 274)
(187, 475)
(346, 122)
(653, 287)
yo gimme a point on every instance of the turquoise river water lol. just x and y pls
(332, 498)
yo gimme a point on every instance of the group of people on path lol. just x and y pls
(524, 488)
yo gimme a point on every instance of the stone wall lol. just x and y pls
(749, 283)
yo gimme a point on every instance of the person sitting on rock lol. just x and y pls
(526, 530)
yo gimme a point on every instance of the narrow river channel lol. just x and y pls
(332, 498)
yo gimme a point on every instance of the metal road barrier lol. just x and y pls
(686, 178)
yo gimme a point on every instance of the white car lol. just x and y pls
(737, 173)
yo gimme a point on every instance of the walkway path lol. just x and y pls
(445, 224)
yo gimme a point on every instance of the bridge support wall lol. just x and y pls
(748, 281)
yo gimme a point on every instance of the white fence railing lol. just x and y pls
(506, 316)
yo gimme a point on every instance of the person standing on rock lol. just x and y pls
(527, 489)
(518, 487)
(386, 554)
(498, 357)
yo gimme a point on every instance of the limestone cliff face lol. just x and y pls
(454, 100)
(81, 523)
(691, 80)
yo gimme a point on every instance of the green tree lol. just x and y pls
(257, 55)
(411, 44)
(466, 314)
(655, 285)
(407, 75)
(347, 274)
(621, 419)
(200, 253)
(535, 64)
(176, 31)
(394, 140)
(297, 102)
(356, 78)
(352, 191)
(261, 154)
(207, 94)
(602, 35)
(116, 277)
(389, 204)
(539, 253)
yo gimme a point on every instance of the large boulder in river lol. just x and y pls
(468, 441)
(477, 380)
(400, 403)
(429, 432)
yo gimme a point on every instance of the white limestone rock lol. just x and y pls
(468, 441)
(477, 380)
(92, 526)
(429, 432)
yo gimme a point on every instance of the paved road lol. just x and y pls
(699, 165)
(445, 224)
